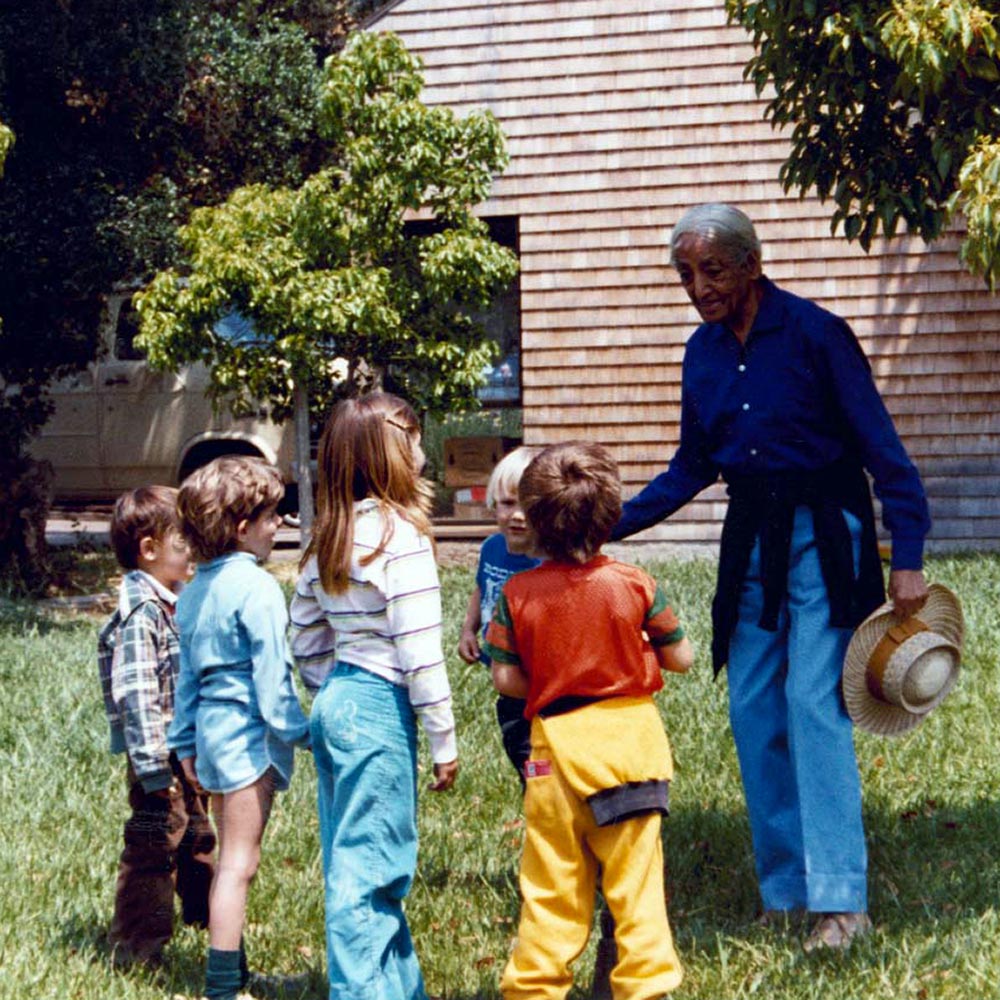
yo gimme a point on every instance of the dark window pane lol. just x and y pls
(126, 331)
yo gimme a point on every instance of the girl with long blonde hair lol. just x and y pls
(366, 618)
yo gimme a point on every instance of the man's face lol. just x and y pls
(720, 290)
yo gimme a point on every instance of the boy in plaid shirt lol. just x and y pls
(168, 838)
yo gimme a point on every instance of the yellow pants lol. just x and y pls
(562, 852)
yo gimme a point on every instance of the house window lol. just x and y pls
(502, 321)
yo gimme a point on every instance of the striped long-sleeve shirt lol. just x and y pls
(387, 622)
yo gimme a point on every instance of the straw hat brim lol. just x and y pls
(942, 614)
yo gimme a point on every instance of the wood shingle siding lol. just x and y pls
(618, 118)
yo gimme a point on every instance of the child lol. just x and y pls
(581, 638)
(367, 612)
(501, 556)
(168, 838)
(238, 716)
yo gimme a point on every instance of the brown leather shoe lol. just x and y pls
(836, 931)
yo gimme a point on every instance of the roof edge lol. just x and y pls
(378, 14)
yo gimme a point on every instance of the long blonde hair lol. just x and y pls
(366, 451)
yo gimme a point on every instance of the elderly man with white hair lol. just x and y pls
(778, 399)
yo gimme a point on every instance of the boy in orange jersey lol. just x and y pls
(583, 639)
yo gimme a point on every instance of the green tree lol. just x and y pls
(128, 113)
(893, 111)
(340, 292)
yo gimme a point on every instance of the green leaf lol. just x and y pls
(943, 163)
(984, 68)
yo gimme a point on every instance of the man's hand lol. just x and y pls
(444, 776)
(908, 591)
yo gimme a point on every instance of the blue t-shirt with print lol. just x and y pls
(496, 567)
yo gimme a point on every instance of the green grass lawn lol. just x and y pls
(931, 809)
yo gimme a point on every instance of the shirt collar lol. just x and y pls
(769, 310)
(769, 316)
(231, 556)
(164, 593)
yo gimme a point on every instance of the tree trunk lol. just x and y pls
(25, 498)
(303, 469)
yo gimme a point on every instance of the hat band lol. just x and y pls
(894, 637)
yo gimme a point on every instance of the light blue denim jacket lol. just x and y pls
(236, 708)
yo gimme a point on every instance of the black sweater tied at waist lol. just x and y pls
(764, 507)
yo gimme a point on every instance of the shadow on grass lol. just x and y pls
(710, 877)
(182, 970)
(929, 861)
(932, 860)
(310, 985)
(18, 617)
(932, 866)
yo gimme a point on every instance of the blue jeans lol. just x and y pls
(364, 741)
(795, 742)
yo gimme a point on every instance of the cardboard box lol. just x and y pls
(472, 512)
(468, 461)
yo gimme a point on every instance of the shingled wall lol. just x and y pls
(620, 116)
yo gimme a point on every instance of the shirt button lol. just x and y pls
(753, 451)
(746, 406)
(741, 368)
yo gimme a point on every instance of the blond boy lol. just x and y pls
(503, 554)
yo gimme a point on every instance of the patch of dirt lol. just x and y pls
(461, 554)
(87, 578)
(82, 571)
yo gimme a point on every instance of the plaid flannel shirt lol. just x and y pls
(138, 655)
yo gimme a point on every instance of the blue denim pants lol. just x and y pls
(795, 741)
(364, 741)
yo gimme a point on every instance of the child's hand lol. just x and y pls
(170, 792)
(468, 646)
(444, 776)
(187, 766)
(677, 657)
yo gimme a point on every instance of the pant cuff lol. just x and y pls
(837, 893)
(784, 892)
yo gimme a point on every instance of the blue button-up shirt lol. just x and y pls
(236, 706)
(796, 396)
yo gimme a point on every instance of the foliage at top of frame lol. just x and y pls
(893, 109)
(340, 293)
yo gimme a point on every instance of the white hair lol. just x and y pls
(727, 227)
(507, 473)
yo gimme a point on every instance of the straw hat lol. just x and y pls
(895, 672)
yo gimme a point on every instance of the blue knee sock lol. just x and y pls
(222, 975)
(244, 965)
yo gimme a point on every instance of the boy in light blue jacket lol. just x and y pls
(237, 717)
